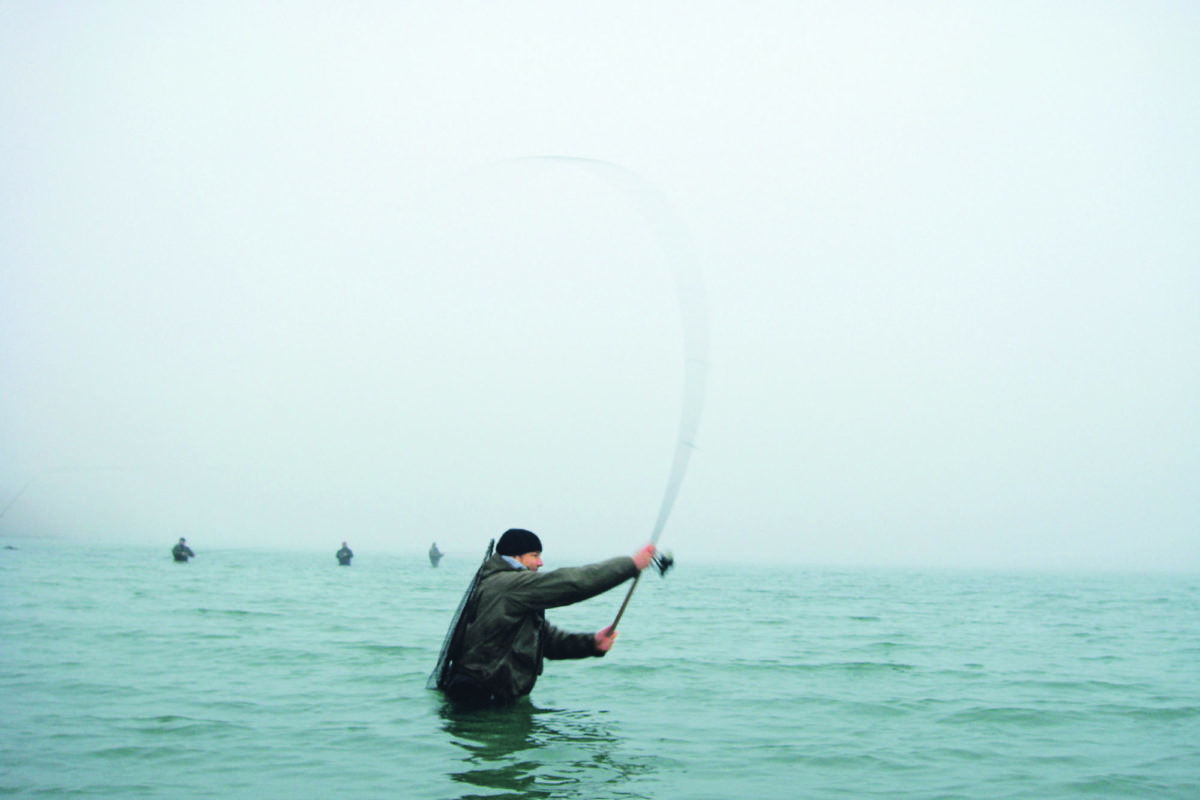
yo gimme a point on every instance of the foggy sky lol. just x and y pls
(270, 277)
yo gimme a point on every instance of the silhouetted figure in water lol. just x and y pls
(435, 555)
(344, 555)
(181, 552)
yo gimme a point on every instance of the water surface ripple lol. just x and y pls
(278, 674)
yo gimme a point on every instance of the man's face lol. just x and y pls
(532, 561)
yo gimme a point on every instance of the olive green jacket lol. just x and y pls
(505, 634)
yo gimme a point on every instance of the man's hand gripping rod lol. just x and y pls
(662, 562)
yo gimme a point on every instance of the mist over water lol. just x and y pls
(262, 283)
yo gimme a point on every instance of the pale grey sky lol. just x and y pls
(269, 275)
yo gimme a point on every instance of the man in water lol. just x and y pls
(502, 636)
(181, 552)
(344, 555)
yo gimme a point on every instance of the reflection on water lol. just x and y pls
(522, 752)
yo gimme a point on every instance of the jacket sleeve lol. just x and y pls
(559, 644)
(562, 587)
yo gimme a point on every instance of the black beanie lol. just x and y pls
(518, 542)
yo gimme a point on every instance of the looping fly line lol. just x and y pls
(672, 237)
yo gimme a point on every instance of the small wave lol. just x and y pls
(860, 666)
(136, 752)
(238, 612)
(883, 645)
(1019, 715)
(637, 669)
(389, 649)
(1152, 713)
(1117, 786)
(1099, 687)
(175, 724)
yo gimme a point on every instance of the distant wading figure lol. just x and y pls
(493, 654)
(181, 552)
(435, 555)
(344, 555)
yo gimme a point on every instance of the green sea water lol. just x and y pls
(252, 674)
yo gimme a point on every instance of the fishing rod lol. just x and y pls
(676, 246)
(663, 562)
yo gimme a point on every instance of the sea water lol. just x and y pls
(251, 674)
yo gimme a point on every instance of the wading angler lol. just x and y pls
(500, 636)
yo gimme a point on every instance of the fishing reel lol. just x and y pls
(663, 561)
